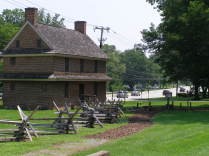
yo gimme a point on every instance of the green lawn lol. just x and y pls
(19, 148)
(173, 134)
(162, 102)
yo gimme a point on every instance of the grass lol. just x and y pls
(43, 142)
(173, 134)
(162, 102)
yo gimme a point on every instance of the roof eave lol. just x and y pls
(20, 31)
(53, 54)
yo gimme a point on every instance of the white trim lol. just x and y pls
(20, 31)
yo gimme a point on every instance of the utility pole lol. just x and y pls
(101, 40)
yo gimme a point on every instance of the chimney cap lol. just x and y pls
(80, 21)
(80, 26)
(31, 8)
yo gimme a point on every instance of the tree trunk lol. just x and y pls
(177, 86)
(196, 91)
(207, 91)
(204, 91)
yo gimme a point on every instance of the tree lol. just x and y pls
(7, 31)
(12, 20)
(139, 69)
(47, 19)
(184, 43)
(115, 68)
(15, 16)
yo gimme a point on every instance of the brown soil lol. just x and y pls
(136, 123)
(67, 149)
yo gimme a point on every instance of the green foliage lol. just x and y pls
(115, 68)
(13, 17)
(182, 49)
(12, 20)
(152, 39)
(130, 67)
(7, 31)
(17, 17)
(139, 69)
(48, 19)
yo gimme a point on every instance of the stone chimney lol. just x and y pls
(80, 26)
(31, 15)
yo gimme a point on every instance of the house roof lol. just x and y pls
(80, 76)
(56, 76)
(64, 41)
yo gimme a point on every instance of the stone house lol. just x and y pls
(43, 62)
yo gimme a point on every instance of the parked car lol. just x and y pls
(182, 89)
(167, 92)
(122, 94)
(135, 93)
(126, 94)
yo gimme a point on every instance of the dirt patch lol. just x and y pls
(67, 149)
(137, 123)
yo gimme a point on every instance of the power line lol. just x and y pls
(14, 4)
(119, 34)
(70, 20)
(67, 19)
(20, 3)
(33, 3)
(136, 77)
(120, 40)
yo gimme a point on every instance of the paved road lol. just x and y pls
(146, 95)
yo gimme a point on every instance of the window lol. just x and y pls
(95, 66)
(12, 60)
(38, 43)
(81, 91)
(95, 88)
(44, 88)
(17, 43)
(11, 86)
(81, 65)
(66, 90)
(66, 64)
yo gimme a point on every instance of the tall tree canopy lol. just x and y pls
(12, 20)
(130, 68)
(139, 69)
(48, 19)
(115, 68)
(17, 17)
(181, 41)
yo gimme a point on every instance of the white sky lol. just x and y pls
(125, 17)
